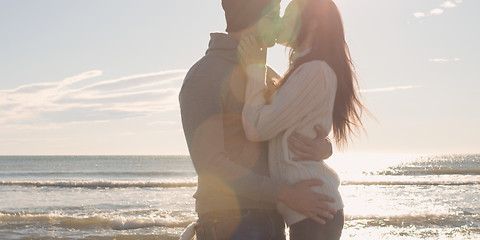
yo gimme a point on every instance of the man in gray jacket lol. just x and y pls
(236, 198)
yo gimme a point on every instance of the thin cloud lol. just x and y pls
(419, 14)
(136, 81)
(436, 11)
(34, 140)
(439, 10)
(72, 100)
(130, 97)
(389, 89)
(162, 123)
(37, 87)
(448, 4)
(438, 60)
(443, 60)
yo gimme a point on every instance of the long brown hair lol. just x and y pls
(329, 45)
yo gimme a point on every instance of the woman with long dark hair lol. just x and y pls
(319, 88)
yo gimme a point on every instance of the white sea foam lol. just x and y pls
(411, 183)
(460, 219)
(125, 222)
(95, 221)
(98, 184)
(431, 172)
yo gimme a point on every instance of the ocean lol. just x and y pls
(150, 197)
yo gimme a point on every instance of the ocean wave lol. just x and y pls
(417, 172)
(136, 236)
(112, 222)
(461, 219)
(109, 173)
(98, 184)
(119, 222)
(411, 183)
(102, 184)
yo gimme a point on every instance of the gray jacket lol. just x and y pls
(232, 171)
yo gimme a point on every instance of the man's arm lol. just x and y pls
(307, 149)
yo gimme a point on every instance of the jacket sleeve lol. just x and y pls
(202, 119)
(293, 101)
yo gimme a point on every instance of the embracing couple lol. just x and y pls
(258, 140)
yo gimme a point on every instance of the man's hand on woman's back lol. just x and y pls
(307, 149)
(301, 198)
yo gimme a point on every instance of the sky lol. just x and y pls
(88, 77)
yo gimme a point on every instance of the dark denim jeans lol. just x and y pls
(244, 225)
(311, 230)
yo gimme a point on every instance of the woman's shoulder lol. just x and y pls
(316, 66)
(314, 70)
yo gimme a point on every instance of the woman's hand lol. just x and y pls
(250, 51)
(306, 149)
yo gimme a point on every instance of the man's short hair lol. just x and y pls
(241, 14)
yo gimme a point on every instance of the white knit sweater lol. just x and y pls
(305, 100)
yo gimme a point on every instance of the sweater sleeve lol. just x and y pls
(293, 101)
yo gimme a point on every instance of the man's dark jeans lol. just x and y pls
(248, 224)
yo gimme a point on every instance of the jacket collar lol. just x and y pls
(223, 45)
